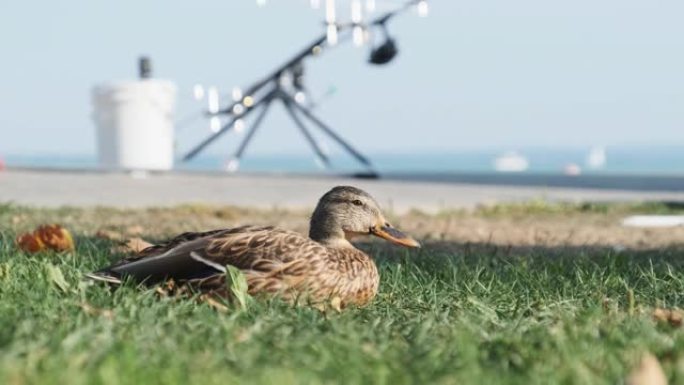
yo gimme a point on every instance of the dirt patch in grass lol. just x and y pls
(530, 224)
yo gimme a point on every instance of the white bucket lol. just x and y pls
(135, 124)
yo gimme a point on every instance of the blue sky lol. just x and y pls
(474, 74)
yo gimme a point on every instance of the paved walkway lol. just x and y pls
(79, 188)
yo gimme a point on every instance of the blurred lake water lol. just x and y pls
(620, 160)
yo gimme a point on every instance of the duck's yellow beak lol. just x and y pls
(385, 231)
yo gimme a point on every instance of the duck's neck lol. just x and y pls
(336, 243)
(326, 231)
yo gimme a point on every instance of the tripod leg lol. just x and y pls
(332, 134)
(226, 127)
(234, 163)
(250, 134)
(317, 149)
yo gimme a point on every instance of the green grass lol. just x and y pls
(474, 315)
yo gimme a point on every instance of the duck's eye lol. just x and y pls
(357, 202)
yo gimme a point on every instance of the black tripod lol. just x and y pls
(296, 112)
(242, 108)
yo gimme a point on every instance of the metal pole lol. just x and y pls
(317, 149)
(332, 134)
(255, 126)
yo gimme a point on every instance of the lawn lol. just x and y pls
(474, 306)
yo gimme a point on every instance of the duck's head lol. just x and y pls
(345, 212)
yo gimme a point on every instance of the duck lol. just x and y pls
(322, 268)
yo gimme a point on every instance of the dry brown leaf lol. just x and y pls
(137, 245)
(16, 219)
(674, 317)
(161, 291)
(53, 237)
(132, 245)
(647, 372)
(336, 303)
(134, 230)
(209, 300)
(242, 335)
(91, 310)
(109, 235)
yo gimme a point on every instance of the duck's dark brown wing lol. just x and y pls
(200, 255)
(178, 240)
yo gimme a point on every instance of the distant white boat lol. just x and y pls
(572, 169)
(511, 162)
(596, 158)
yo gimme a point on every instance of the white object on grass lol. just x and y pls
(654, 221)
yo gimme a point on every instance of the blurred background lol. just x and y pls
(477, 87)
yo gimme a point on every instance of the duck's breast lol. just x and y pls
(352, 276)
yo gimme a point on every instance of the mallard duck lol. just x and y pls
(325, 266)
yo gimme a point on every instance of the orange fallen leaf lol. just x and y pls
(648, 372)
(29, 243)
(55, 237)
(52, 237)
(674, 317)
